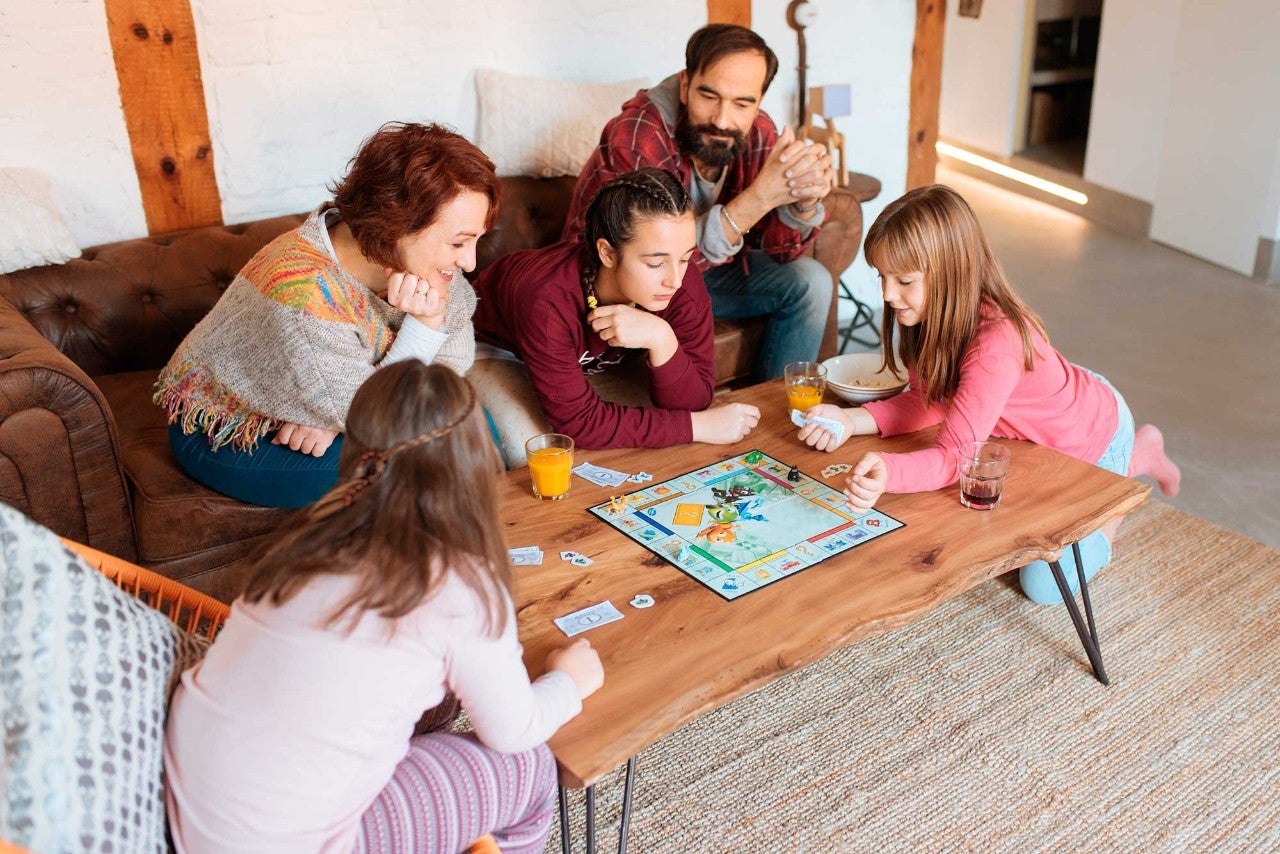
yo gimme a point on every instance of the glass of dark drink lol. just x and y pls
(983, 466)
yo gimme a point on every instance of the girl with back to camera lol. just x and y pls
(579, 306)
(296, 732)
(980, 364)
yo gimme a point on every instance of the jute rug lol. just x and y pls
(981, 727)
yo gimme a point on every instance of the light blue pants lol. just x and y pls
(1036, 577)
(795, 297)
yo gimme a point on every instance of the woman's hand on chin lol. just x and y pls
(425, 302)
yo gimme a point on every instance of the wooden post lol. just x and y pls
(729, 12)
(926, 91)
(158, 67)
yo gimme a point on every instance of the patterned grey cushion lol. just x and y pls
(86, 673)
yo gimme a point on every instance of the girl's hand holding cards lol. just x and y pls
(866, 483)
(817, 436)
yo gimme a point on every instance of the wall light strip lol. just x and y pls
(1013, 174)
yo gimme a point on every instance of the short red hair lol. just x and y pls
(401, 178)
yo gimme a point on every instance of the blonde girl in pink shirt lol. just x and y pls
(301, 728)
(979, 364)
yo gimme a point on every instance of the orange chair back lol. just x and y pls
(190, 610)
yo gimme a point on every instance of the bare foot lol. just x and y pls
(1150, 460)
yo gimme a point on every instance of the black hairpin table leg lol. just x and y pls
(1088, 632)
(590, 799)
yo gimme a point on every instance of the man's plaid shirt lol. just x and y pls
(639, 137)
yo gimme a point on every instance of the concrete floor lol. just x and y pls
(1194, 348)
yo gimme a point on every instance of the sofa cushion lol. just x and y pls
(544, 127)
(174, 516)
(87, 671)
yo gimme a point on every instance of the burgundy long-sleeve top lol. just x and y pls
(532, 304)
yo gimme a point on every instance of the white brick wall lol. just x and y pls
(293, 86)
(60, 114)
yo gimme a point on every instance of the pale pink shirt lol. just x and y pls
(1056, 404)
(285, 733)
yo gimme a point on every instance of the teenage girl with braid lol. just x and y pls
(296, 731)
(980, 365)
(626, 286)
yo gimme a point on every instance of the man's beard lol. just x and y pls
(712, 152)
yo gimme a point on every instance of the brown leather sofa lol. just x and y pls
(84, 451)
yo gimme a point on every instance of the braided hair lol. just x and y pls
(614, 210)
(416, 502)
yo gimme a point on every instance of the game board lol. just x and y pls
(737, 526)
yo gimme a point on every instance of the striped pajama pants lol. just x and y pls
(450, 789)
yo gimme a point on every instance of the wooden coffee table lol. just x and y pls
(692, 652)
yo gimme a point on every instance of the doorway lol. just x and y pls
(1063, 55)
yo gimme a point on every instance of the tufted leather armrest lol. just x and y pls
(126, 306)
(58, 449)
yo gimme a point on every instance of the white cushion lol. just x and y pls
(86, 671)
(545, 128)
(32, 232)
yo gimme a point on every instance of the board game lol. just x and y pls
(739, 525)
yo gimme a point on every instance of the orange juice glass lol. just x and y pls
(550, 458)
(805, 382)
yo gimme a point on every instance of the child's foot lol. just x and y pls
(1150, 460)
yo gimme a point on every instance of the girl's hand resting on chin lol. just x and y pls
(822, 438)
(866, 483)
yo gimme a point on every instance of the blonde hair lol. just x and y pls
(933, 230)
(416, 501)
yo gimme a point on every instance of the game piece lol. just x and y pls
(735, 527)
(794, 474)
(754, 457)
(618, 504)
(588, 618)
(642, 600)
(835, 469)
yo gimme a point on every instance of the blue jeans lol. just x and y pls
(1036, 577)
(272, 476)
(796, 298)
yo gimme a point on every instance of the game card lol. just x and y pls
(600, 476)
(836, 429)
(688, 514)
(588, 618)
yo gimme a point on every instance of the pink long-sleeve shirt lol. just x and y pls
(285, 733)
(1056, 404)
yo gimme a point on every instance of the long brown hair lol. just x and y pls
(416, 499)
(932, 229)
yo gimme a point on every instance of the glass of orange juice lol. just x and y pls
(806, 382)
(550, 458)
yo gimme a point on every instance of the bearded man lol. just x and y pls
(757, 193)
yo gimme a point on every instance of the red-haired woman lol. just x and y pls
(257, 394)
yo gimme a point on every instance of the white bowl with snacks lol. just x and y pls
(857, 377)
